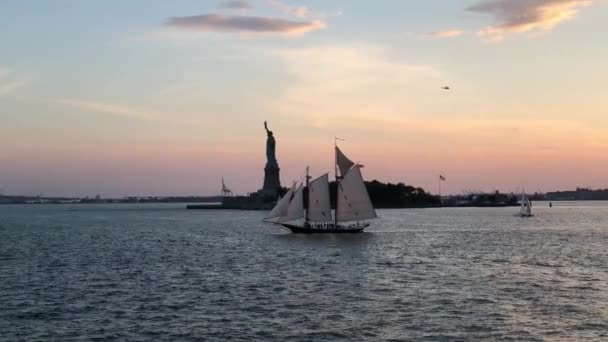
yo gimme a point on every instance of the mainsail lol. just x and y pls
(354, 203)
(319, 204)
(344, 164)
(280, 209)
(295, 210)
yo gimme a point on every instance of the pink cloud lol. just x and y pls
(518, 16)
(255, 24)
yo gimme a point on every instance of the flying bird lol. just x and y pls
(445, 88)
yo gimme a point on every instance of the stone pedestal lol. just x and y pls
(272, 182)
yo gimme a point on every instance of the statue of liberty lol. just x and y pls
(272, 182)
(271, 158)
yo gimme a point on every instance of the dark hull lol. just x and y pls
(326, 230)
(524, 215)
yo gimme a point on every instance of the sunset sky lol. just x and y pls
(157, 97)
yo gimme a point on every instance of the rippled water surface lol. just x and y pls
(160, 273)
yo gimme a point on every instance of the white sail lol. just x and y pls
(354, 203)
(280, 209)
(319, 205)
(344, 164)
(526, 206)
(295, 210)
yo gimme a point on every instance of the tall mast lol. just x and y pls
(337, 181)
(307, 203)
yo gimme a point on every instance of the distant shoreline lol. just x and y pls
(126, 200)
(214, 203)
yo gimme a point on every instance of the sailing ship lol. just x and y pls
(526, 206)
(353, 204)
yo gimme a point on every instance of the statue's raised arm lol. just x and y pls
(266, 127)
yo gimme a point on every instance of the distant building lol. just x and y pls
(580, 194)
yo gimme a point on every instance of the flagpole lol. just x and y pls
(441, 179)
(439, 187)
(337, 181)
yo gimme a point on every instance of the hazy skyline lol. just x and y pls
(165, 98)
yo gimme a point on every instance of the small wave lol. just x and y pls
(501, 261)
(597, 326)
(542, 264)
(481, 301)
(582, 288)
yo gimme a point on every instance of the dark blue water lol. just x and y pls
(153, 273)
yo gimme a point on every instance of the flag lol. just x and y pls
(441, 178)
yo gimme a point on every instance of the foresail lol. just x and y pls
(319, 204)
(295, 210)
(344, 164)
(280, 209)
(354, 203)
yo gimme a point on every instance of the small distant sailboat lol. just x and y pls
(526, 206)
(353, 204)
